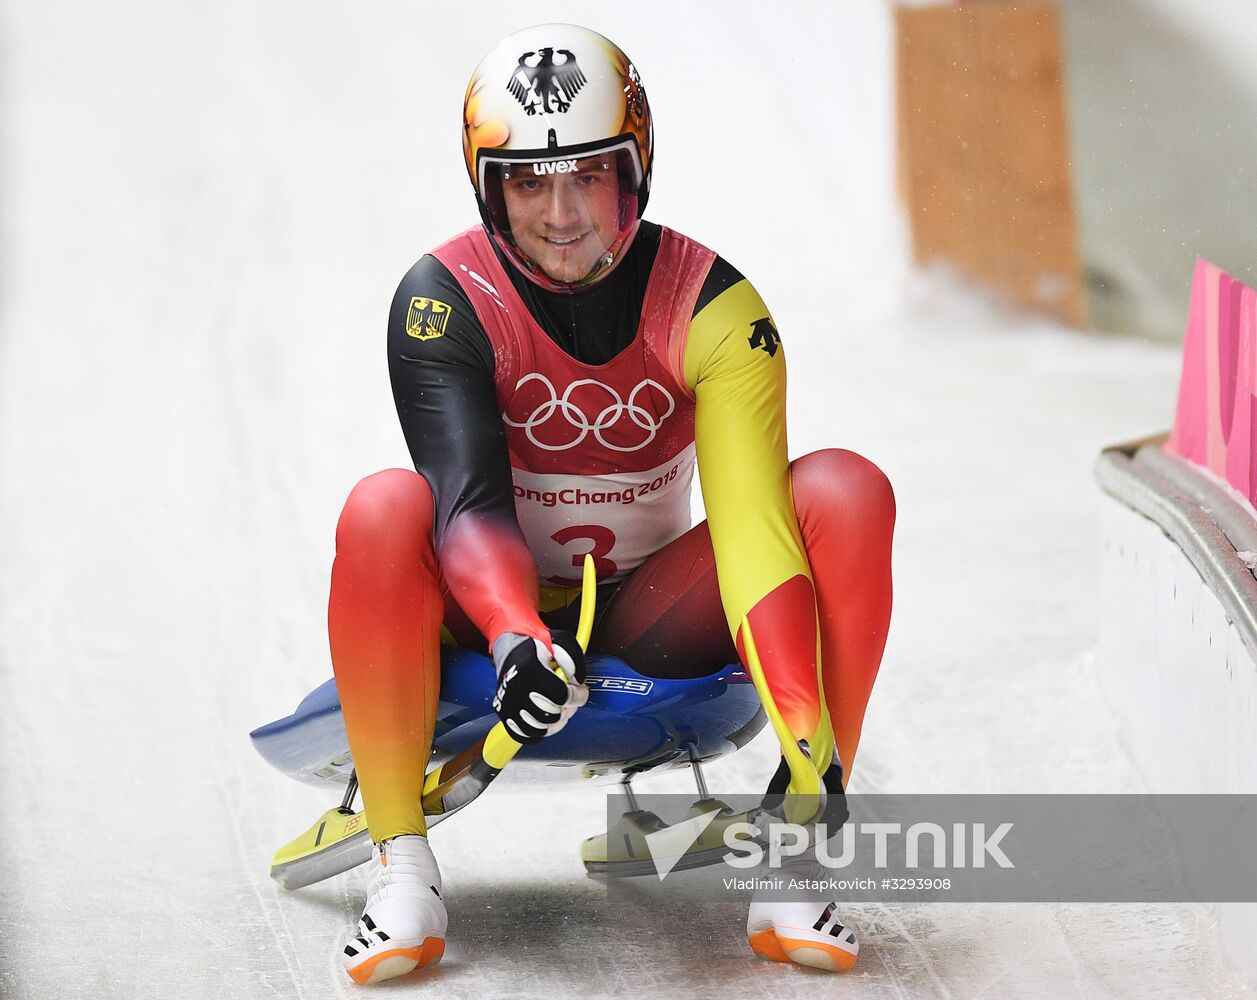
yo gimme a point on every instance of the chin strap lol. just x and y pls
(534, 273)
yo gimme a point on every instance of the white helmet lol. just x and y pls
(557, 138)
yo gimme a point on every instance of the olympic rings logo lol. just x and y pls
(607, 418)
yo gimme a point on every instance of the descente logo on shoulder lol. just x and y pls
(555, 167)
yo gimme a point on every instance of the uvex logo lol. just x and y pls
(555, 167)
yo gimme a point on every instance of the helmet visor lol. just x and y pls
(564, 219)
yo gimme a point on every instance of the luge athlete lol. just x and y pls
(559, 372)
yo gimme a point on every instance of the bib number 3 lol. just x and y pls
(603, 541)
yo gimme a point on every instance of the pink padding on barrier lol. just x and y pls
(1215, 424)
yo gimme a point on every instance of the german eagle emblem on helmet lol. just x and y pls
(546, 80)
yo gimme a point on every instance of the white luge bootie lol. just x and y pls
(404, 920)
(804, 927)
(805, 931)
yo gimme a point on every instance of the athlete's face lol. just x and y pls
(565, 222)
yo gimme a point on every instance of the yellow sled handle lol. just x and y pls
(588, 597)
(500, 746)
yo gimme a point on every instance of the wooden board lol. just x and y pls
(984, 165)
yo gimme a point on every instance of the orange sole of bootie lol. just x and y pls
(813, 954)
(397, 962)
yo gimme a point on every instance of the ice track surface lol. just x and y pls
(205, 211)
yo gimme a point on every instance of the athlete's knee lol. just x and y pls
(385, 508)
(839, 479)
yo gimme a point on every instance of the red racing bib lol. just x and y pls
(602, 456)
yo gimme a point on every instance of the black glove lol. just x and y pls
(532, 700)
